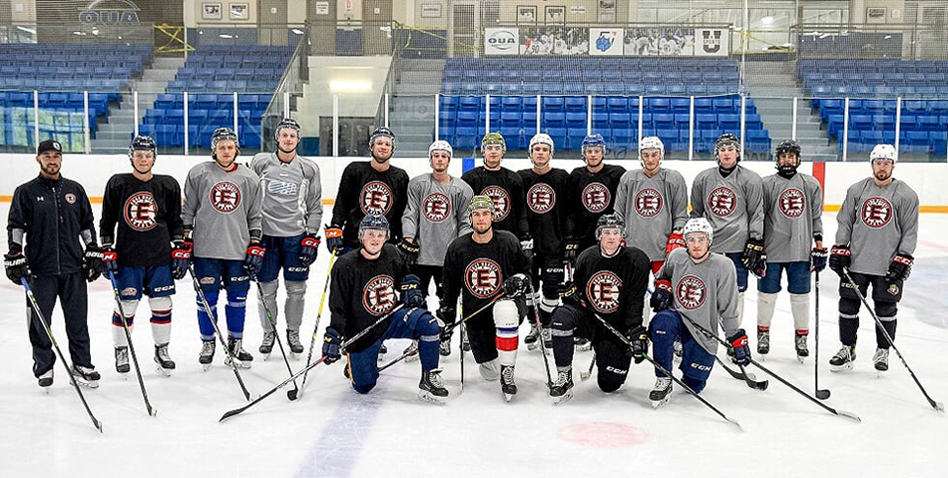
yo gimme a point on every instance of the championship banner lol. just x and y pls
(712, 42)
(501, 41)
(659, 42)
(606, 41)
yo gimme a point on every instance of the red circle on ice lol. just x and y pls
(604, 435)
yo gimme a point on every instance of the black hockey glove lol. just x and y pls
(332, 341)
(92, 263)
(16, 266)
(742, 353)
(309, 247)
(569, 294)
(754, 258)
(662, 296)
(900, 268)
(334, 238)
(109, 261)
(446, 317)
(516, 285)
(526, 244)
(638, 337)
(571, 250)
(412, 296)
(818, 259)
(253, 260)
(181, 258)
(409, 249)
(840, 258)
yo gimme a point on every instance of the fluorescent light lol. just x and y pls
(224, 35)
(345, 86)
(27, 30)
(767, 20)
(297, 31)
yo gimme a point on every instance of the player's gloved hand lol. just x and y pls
(412, 296)
(92, 263)
(16, 266)
(181, 258)
(754, 258)
(818, 259)
(253, 260)
(332, 341)
(742, 353)
(334, 238)
(662, 296)
(900, 268)
(447, 315)
(571, 250)
(309, 247)
(410, 249)
(516, 285)
(109, 261)
(526, 244)
(570, 294)
(638, 337)
(840, 258)
(675, 240)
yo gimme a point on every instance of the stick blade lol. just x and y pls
(849, 415)
(822, 394)
(939, 406)
(292, 395)
(735, 423)
(229, 414)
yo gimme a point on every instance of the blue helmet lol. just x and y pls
(593, 140)
(373, 221)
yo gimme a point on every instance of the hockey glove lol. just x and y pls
(742, 353)
(675, 241)
(569, 294)
(516, 285)
(409, 249)
(662, 297)
(92, 263)
(900, 268)
(840, 258)
(16, 266)
(309, 247)
(334, 238)
(446, 317)
(818, 259)
(754, 258)
(638, 338)
(571, 250)
(181, 258)
(331, 343)
(253, 260)
(109, 261)
(526, 244)
(412, 296)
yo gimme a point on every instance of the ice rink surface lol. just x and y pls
(334, 432)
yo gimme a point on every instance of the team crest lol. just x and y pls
(376, 198)
(876, 212)
(70, 198)
(483, 277)
(722, 201)
(436, 207)
(691, 292)
(792, 203)
(596, 197)
(648, 202)
(893, 289)
(140, 211)
(501, 201)
(603, 291)
(282, 188)
(378, 295)
(225, 197)
(541, 198)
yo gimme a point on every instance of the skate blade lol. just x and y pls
(656, 404)
(563, 399)
(266, 357)
(92, 384)
(205, 366)
(533, 346)
(841, 368)
(239, 364)
(801, 358)
(508, 396)
(163, 371)
(428, 397)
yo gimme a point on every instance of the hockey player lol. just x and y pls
(729, 197)
(875, 240)
(222, 223)
(363, 289)
(591, 193)
(610, 280)
(478, 267)
(695, 285)
(436, 214)
(502, 186)
(793, 207)
(292, 215)
(50, 221)
(370, 187)
(147, 209)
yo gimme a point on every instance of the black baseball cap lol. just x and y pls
(49, 145)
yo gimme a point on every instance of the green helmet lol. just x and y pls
(493, 138)
(480, 202)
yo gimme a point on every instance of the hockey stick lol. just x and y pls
(585, 374)
(310, 366)
(39, 316)
(296, 393)
(536, 316)
(668, 374)
(748, 377)
(212, 318)
(461, 347)
(822, 394)
(272, 321)
(131, 348)
(841, 413)
(936, 405)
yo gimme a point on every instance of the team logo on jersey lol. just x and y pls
(893, 289)
(140, 211)
(70, 198)
(378, 295)
(691, 292)
(876, 212)
(603, 291)
(541, 198)
(376, 198)
(792, 203)
(722, 201)
(501, 201)
(225, 197)
(436, 207)
(282, 188)
(596, 197)
(483, 277)
(648, 202)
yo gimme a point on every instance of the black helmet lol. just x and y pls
(788, 146)
(382, 131)
(610, 221)
(143, 143)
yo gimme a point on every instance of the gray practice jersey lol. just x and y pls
(705, 293)
(436, 214)
(292, 195)
(732, 205)
(652, 208)
(876, 223)
(222, 207)
(793, 210)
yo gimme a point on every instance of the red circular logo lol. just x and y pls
(140, 211)
(648, 202)
(225, 197)
(602, 290)
(876, 212)
(378, 295)
(691, 292)
(541, 198)
(722, 201)
(70, 198)
(376, 198)
(436, 207)
(792, 203)
(501, 201)
(483, 278)
(596, 197)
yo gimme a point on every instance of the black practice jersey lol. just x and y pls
(588, 196)
(614, 287)
(148, 214)
(363, 190)
(505, 188)
(546, 209)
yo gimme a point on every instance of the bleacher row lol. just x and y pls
(922, 124)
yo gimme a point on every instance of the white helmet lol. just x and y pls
(883, 151)
(541, 138)
(698, 224)
(441, 145)
(652, 142)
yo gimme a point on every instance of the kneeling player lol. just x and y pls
(610, 281)
(694, 288)
(363, 289)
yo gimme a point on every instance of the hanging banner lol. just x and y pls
(605, 41)
(712, 42)
(659, 42)
(501, 41)
(554, 40)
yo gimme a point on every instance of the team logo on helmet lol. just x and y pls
(648, 202)
(483, 277)
(436, 207)
(876, 212)
(792, 203)
(376, 198)
(541, 198)
(501, 201)
(282, 188)
(378, 295)
(691, 292)
(70, 198)
(596, 197)
(722, 201)
(225, 197)
(602, 290)
(140, 211)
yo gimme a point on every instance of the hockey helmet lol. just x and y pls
(493, 138)
(787, 146)
(610, 221)
(373, 221)
(286, 123)
(441, 145)
(541, 138)
(883, 151)
(221, 134)
(143, 143)
(382, 132)
(652, 142)
(480, 202)
(592, 141)
(728, 139)
(698, 224)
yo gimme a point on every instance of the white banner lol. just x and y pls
(605, 41)
(711, 42)
(501, 41)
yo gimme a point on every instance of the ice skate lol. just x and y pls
(582, 344)
(207, 353)
(86, 376)
(163, 361)
(763, 340)
(431, 388)
(121, 360)
(242, 358)
(661, 393)
(412, 351)
(562, 389)
(532, 338)
(507, 384)
(293, 339)
(46, 380)
(843, 360)
(799, 342)
(880, 360)
(266, 347)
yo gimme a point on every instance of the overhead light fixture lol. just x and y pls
(25, 29)
(297, 31)
(224, 35)
(346, 86)
(767, 20)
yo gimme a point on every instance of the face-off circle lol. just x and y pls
(876, 212)
(792, 203)
(225, 197)
(501, 201)
(691, 292)
(140, 211)
(603, 435)
(649, 202)
(436, 207)
(722, 201)
(603, 290)
(378, 295)
(376, 198)
(483, 278)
